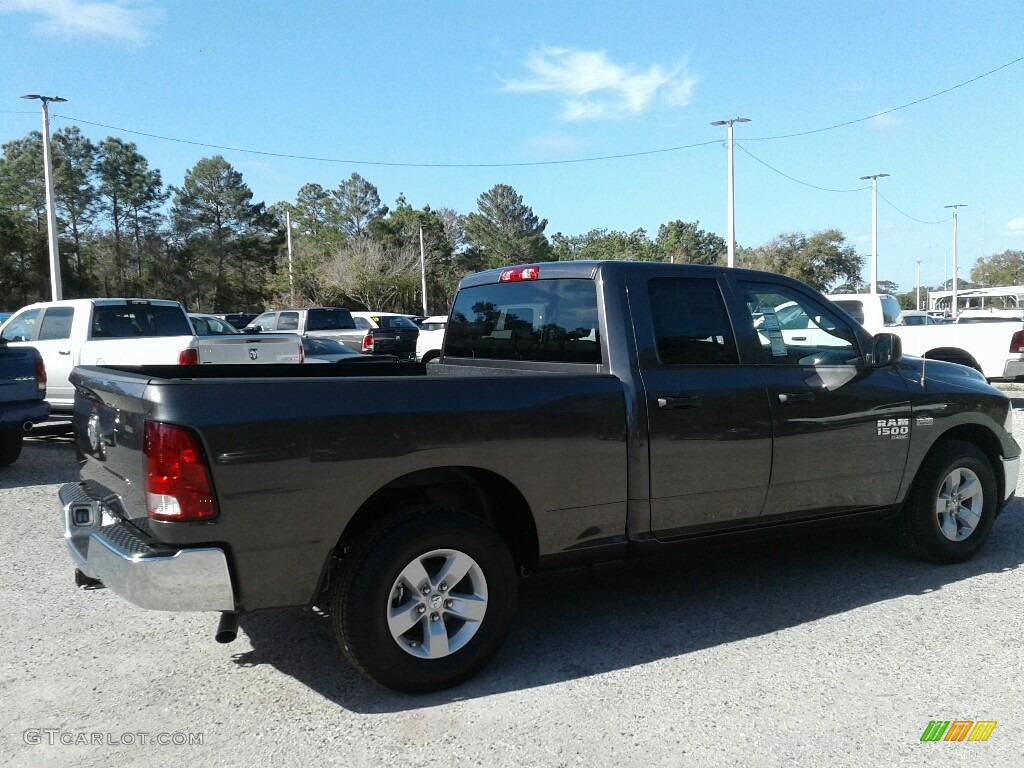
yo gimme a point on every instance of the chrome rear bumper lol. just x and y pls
(106, 548)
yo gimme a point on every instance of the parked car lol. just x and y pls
(996, 349)
(917, 317)
(320, 350)
(387, 333)
(581, 412)
(22, 389)
(428, 343)
(333, 323)
(238, 320)
(211, 325)
(217, 342)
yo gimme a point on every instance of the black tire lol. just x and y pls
(430, 356)
(959, 475)
(374, 583)
(10, 446)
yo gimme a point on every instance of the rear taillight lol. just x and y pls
(40, 375)
(178, 483)
(368, 342)
(188, 356)
(302, 353)
(1017, 342)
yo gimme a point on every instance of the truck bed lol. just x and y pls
(559, 438)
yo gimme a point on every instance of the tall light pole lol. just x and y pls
(51, 215)
(918, 307)
(953, 302)
(874, 227)
(291, 282)
(731, 193)
(423, 273)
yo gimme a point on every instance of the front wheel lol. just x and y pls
(952, 506)
(425, 602)
(10, 446)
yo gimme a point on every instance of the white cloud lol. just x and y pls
(884, 120)
(1013, 228)
(126, 20)
(592, 87)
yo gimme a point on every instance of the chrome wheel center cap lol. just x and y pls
(435, 601)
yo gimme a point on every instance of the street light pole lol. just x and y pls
(955, 206)
(291, 282)
(731, 262)
(918, 307)
(423, 274)
(51, 215)
(874, 227)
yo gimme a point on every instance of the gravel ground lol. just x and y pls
(833, 649)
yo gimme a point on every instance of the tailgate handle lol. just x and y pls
(795, 397)
(671, 403)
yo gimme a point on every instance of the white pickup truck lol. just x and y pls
(996, 349)
(127, 332)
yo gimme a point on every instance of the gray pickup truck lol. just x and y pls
(366, 335)
(22, 389)
(581, 412)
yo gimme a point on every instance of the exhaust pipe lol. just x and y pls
(227, 629)
(27, 426)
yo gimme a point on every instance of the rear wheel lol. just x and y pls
(10, 446)
(425, 601)
(952, 506)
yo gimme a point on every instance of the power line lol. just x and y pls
(791, 178)
(919, 221)
(888, 111)
(393, 164)
(597, 158)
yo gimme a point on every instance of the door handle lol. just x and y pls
(799, 338)
(63, 351)
(795, 397)
(674, 403)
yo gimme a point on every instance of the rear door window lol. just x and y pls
(288, 321)
(691, 325)
(56, 323)
(539, 320)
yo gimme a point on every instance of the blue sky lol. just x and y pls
(441, 100)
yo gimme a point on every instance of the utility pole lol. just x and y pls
(51, 214)
(874, 227)
(291, 283)
(955, 206)
(731, 262)
(423, 274)
(918, 285)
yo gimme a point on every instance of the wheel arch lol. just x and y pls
(471, 490)
(979, 436)
(953, 355)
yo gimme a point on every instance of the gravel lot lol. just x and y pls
(821, 650)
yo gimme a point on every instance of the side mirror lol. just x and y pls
(886, 348)
(252, 329)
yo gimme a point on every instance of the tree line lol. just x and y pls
(209, 244)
